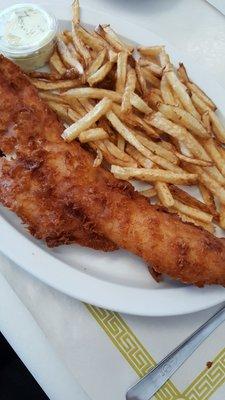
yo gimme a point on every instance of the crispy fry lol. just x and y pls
(121, 143)
(164, 194)
(201, 163)
(214, 187)
(148, 192)
(116, 152)
(61, 84)
(153, 175)
(167, 94)
(92, 41)
(56, 63)
(199, 92)
(97, 63)
(180, 133)
(156, 148)
(121, 72)
(164, 59)
(63, 112)
(150, 77)
(199, 104)
(93, 93)
(110, 158)
(51, 97)
(107, 32)
(193, 212)
(208, 199)
(99, 158)
(189, 200)
(181, 92)
(93, 134)
(87, 121)
(49, 76)
(142, 160)
(79, 46)
(140, 78)
(76, 12)
(206, 122)
(140, 104)
(215, 155)
(217, 126)
(67, 57)
(129, 90)
(100, 74)
(182, 73)
(207, 226)
(184, 118)
(76, 105)
(152, 51)
(154, 68)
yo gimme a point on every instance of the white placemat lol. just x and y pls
(218, 4)
(107, 352)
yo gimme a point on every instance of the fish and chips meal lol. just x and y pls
(105, 148)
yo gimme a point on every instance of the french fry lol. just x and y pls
(199, 104)
(121, 72)
(192, 212)
(195, 161)
(153, 175)
(93, 93)
(86, 104)
(92, 135)
(140, 104)
(150, 77)
(51, 97)
(167, 94)
(199, 92)
(152, 51)
(185, 119)
(79, 46)
(140, 78)
(164, 59)
(208, 199)
(215, 155)
(98, 159)
(180, 133)
(56, 63)
(108, 33)
(76, 12)
(49, 76)
(121, 143)
(92, 41)
(129, 90)
(76, 105)
(206, 122)
(207, 226)
(189, 200)
(154, 68)
(87, 121)
(109, 157)
(61, 84)
(142, 160)
(164, 194)
(100, 74)
(148, 192)
(63, 112)
(218, 128)
(182, 73)
(154, 98)
(116, 152)
(135, 121)
(156, 148)
(214, 187)
(181, 92)
(67, 57)
(97, 63)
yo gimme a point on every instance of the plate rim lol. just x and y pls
(75, 283)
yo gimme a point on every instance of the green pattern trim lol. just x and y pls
(208, 381)
(130, 347)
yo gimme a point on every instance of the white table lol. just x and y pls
(199, 30)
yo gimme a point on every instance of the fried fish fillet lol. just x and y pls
(180, 250)
(24, 191)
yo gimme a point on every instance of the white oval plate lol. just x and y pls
(117, 281)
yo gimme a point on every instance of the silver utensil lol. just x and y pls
(152, 382)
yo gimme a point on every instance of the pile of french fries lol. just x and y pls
(142, 117)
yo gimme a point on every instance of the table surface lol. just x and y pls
(199, 30)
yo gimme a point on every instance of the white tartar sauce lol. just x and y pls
(27, 35)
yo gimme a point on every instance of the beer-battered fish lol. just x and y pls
(180, 250)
